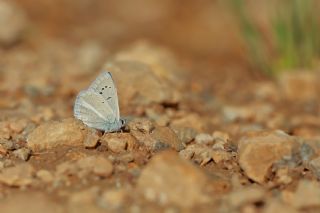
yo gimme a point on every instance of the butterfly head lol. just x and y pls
(123, 122)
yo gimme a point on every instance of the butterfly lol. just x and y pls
(98, 106)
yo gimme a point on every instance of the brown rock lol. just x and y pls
(153, 136)
(186, 135)
(113, 199)
(68, 132)
(98, 165)
(204, 138)
(20, 175)
(45, 176)
(190, 120)
(138, 85)
(117, 143)
(165, 135)
(259, 150)
(170, 179)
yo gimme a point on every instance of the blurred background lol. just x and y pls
(218, 43)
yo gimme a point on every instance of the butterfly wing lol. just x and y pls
(104, 86)
(93, 110)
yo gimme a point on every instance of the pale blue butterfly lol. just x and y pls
(98, 106)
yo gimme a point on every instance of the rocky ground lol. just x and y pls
(194, 142)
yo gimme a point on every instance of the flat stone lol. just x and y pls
(258, 151)
(68, 132)
(170, 179)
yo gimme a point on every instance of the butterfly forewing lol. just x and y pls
(105, 87)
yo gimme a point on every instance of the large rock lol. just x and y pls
(170, 179)
(138, 85)
(68, 132)
(259, 150)
(161, 60)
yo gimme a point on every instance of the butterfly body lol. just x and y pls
(98, 106)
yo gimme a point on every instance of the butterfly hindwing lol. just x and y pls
(104, 86)
(93, 110)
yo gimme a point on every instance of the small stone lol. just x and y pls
(204, 138)
(165, 135)
(186, 154)
(98, 165)
(119, 142)
(7, 144)
(141, 125)
(246, 195)
(158, 181)
(219, 155)
(186, 135)
(306, 195)
(19, 176)
(190, 120)
(92, 138)
(44, 175)
(113, 199)
(260, 150)
(221, 136)
(68, 132)
(23, 153)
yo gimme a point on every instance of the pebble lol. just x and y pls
(23, 153)
(186, 135)
(204, 138)
(119, 142)
(219, 155)
(258, 151)
(190, 120)
(169, 179)
(13, 23)
(17, 176)
(113, 199)
(7, 144)
(68, 132)
(165, 135)
(92, 138)
(98, 165)
(45, 176)
(141, 125)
